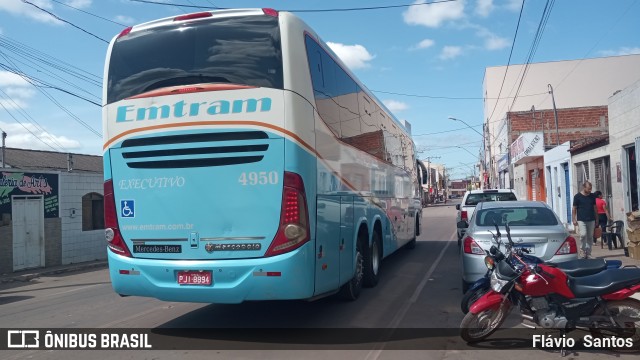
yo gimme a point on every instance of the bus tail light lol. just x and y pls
(115, 242)
(270, 12)
(294, 230)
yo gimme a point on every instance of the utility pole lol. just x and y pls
(555, 113)
(429, 179)
(4, 136)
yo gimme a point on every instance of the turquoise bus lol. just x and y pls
(244, 161)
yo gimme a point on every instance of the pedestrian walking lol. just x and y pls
(585, 217)
(603, 213)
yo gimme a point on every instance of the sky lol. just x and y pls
(426, 62)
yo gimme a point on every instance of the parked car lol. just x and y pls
(473, 197)
(534, 226)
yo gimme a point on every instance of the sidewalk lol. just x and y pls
(28, 275)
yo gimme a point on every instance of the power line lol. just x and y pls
(88, 13)
(303, 10)
(515, 36)
(65, 21)
(450, 97)
(445, 131)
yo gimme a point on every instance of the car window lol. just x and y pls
(474, 199)
(526, 216)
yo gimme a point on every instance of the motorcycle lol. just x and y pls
(551, 299)
(574, 268)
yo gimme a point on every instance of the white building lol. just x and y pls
(575, 84)
(624, 145)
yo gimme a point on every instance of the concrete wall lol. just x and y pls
(520, 181)
(624, 127)
(78, 245)
(557, 192)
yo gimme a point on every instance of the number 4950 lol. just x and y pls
(258, 178)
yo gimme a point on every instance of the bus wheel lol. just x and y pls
(351, 290)
(372, 259)
(412, 244)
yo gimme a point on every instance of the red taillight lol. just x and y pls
(270, 12)
(569, 246)
(470, 246)
(199, 15)
(464, 216)
(294, 230)
(115, 242)
(125, 32)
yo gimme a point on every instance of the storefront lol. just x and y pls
(528, 152)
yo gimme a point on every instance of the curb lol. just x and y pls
(26, 277)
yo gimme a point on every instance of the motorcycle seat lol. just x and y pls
(581, 267)
(605, 282)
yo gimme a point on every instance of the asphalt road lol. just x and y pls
(418, 289)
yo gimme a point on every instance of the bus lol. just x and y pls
(243, 161)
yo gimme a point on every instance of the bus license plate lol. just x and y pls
(194, 277)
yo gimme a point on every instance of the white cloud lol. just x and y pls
(354, 56)
(10, 79)
(433, 15)
(495, 42)
(484, 7)
(19, 137)
(12, 104)
(18, 8)
(394, 105)
(514, 5)
(20, 92)
(424, 44)
(128, 20)
(622, 51)
(450, 52)
(80, 4)
(491, 40)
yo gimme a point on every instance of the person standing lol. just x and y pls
(603, 213)
(585, 217)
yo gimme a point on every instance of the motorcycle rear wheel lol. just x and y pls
(477, 327)
(626, 314)
(470, 297)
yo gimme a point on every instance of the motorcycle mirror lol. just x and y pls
(497, 228)
(508, 230)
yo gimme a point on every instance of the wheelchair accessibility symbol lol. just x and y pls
(127, 208)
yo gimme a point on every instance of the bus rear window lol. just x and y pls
(236, 50)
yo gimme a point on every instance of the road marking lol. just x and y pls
(377, 351)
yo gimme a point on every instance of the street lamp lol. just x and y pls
(469, 126)
(472, 154)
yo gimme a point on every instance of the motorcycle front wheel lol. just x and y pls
(626, 314)
(477, 327)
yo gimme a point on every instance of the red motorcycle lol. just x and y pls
(549, 298)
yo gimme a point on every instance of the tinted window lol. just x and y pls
(526, 216)
(474, 199)
(238, 50)
(352, 115)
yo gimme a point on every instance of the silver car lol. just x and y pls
(533, 225)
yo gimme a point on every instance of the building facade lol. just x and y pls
(51, 209)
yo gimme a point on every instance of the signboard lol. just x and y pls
(22, 183)
(528, 145)
(503, 163)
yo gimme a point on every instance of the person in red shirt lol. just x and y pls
(603, 213)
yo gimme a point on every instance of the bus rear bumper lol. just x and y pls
(283, 277)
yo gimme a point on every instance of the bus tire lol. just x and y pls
(372, 258)
(351, 290)
(412, 243)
